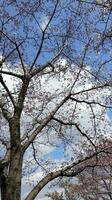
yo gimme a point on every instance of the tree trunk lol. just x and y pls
(3, 186)
(13, 188)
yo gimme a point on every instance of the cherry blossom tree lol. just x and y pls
(55, 76)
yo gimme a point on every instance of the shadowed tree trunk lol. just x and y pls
(3, 185)
(13, 188)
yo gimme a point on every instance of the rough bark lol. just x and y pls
(11, 183)
(14, 174)
(2, 185)
(13, 187)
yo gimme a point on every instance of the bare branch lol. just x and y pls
(17, 48)
(43, 34)
(11, 52)
(64, 171)
(48, 64)
(12, 74)
(6, 113)
(7, 90)
(77, 127)
(43, 124)
(102, 5)
(90, 102)
(93, 88)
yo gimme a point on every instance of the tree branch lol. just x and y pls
(16, 48)
(21, 96)
(90, 102)
(60, 173)
(93, 88)
(43, 34)
(102, 5)
(50, 63)
(7, 90)
(4, 109)
(43, 124)
(12, 74)
(77, 127)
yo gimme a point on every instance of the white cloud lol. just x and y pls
(44, 22)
